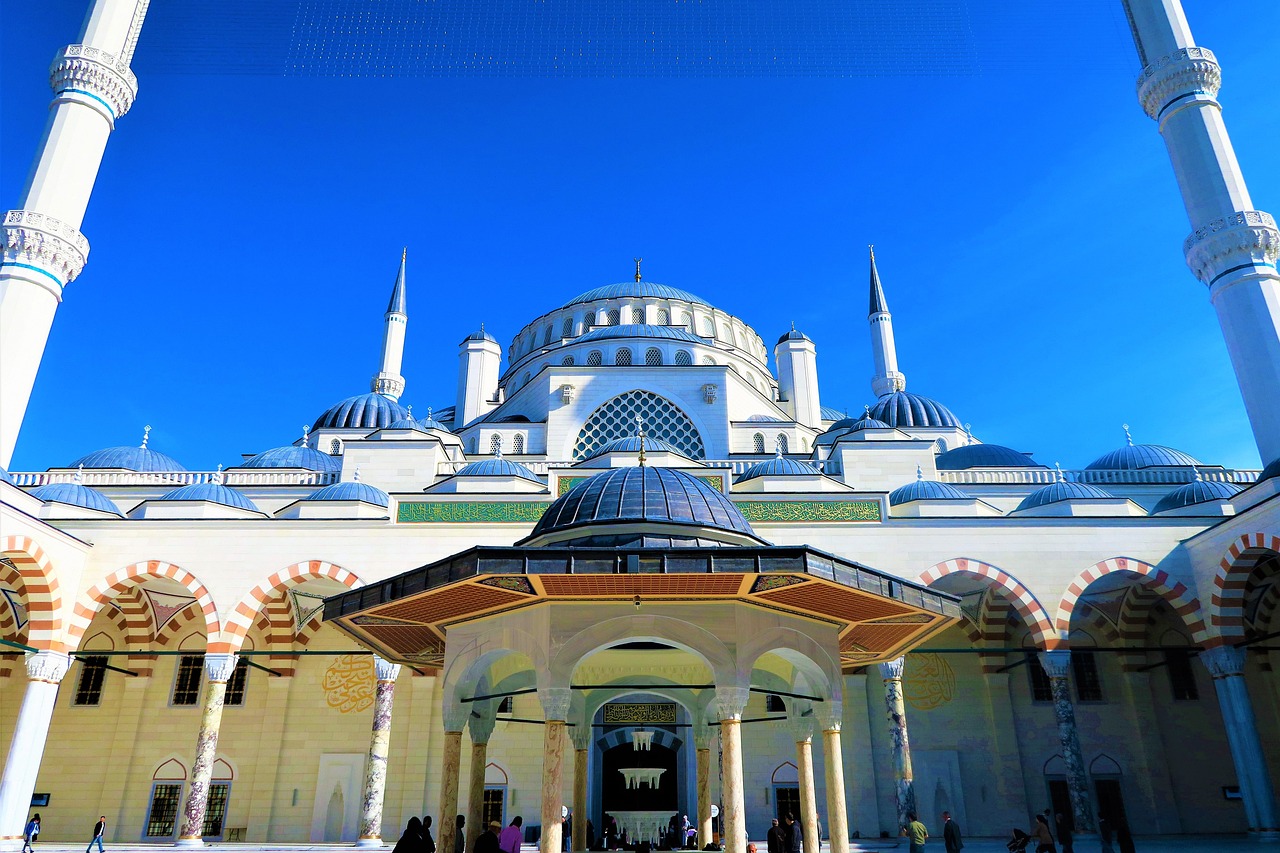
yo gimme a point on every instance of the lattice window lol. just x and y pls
(653, 357)
(588, 320)
(1041, 687)
(335, 448)
(517, 443)
(774, 704)
(686, 320)
(782, 443)
(1182, 676)
(215, 810)
(614, 317)
(708, 328)
(566, 329)
(617, 419)
(664, 317)
(186, 686)
(757, 443)
(567, 361)
(236, 686)
(594, 358)
(495, 442)
(162, 816)
(637, 315)
(706, 359)
(546, 339)
(623, 357)
(683, 358)
(93, 671)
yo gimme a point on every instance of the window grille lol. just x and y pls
(236, 686)
(617, 419)
(1182, 677)
(614, 317)
(1041, 687)
(594, 358)
(773, 704)
(706, 359)
(782, 443)
(589, 320)
(215, 810)
(506, 705)
(335, 448)
(494, 800)
(186, 686)
(162, 816)
(623, 357)
(664, 317)
(495, 442)
(93, 670)
(683, 358)
(653, 357)
(567, 361)
(546, 339)
(517, 443)
(637, 315)
(757, 443)
(566, 330)
(708, 328)
(686, 320)
(725, 334)
(1084, 671)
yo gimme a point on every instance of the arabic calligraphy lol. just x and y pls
(349, 683)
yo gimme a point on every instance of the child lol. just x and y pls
(29, 834)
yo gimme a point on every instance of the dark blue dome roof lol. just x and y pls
(778, 466)
(363, 411)
(1135, 456)
(904, 409)
(984, 456)
(75, 494)
(643, 494)
(496, 467)
(212, 492)
(293, 457)
(480, 335)
(351, 490)
(141, 459)
(631, 444)
(1062, 491)
(643, 289)
(926, 490)
(640, 330)
(794, 335)
(1197, 492)
(407, 422)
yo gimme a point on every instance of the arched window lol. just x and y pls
(615, 317)
(524, 380)
(686, 320)
(706, 359)
(708, 328)
(546, 339)
(495, 441)
(594, 358)
(567, 361)
(566, 329)
(335, 448)
(782, 442)
(652, 357)
(517, 443)
(637, 315)
(757, 443)
(623, 357)
(664, 317)
(725, 334)
(617, 419)
(588, 320)
(683, 358)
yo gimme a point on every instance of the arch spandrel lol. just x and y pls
(630, 628)
(96, 597)
(241, 619)
(1177, 594)
(810, 660)
(1020, 597)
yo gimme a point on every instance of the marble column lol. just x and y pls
(454, 719)
(375, 774)
(555, 710)
(732, 701)
(837, 813)
(581, 737)
(1057, 664)
(217, 669)
(802, 731)
(44, 671)
(702, 735)
(1226, 665)
(480, 728)
(904, 785)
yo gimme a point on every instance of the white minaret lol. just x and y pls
(479, 357)
(389, 382)
(43, 248)
(1233, 248)
(797, 361)
(883, 352)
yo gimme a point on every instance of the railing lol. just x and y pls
(450, 467)
(173, 479)
(1148, 476)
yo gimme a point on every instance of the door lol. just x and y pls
(1110, 802)
(1060, 802)
(494, 806)
(787, 800)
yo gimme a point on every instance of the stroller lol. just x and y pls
(1019, 842)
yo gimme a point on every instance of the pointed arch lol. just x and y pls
(1027, 605)
(179, 625)
(130, 576)
(242, 618)
(1179, 596)
(1226, 611)
(41, 589)
(616, 418)
(13, 615)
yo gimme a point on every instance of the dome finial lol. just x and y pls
(640, 434)
(638, 262)
(497, 446)
(919, 474)
(306, 434)
(146, 434)
(1128, 439)
(355, 476)
(409, 409)
(1062, 477)
(217, 477)
(1196, 474)
(777, 445)
(968, 434)
(78, 478)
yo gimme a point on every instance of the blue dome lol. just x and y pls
(75, 494)
(496, 467)
(211, 492)
(831, 413)
(778, 466)
(631, 444)
(293, 457)
(658, 495)
(904, 409)
(926, 490)
(407, 422)
(480, 335)
(1135, 456)
(643, 289)
(1062, 491)
(363, 411)
(794, 335)
(1197, 492)
(984, 456)
(4, 477)
(142, 459)
(351, 490)
(640, 330)
(430, 422)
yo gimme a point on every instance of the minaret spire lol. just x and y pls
(388, 382)
(884, 354)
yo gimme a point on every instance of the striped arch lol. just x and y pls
(9, 628)
(1028, 607)
(138, 629)
(994, 616)
(1179, 596)
(1227, 610)
(131, 576)
(179, 624)
(41, 588)
(242, 618)
(276, 623)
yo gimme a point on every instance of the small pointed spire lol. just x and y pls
(1062, 476)
(1128, 439)
(355, 476)
(398, 305)
(497, 447)
(968, 434)
(638, 262)
(217, 477)
(78, 477)
(429, 413)
(919, 473)
(409, 409)
(146, 434)
(306, 434)
(640, 435)
(878, 303)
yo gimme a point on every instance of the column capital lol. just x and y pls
(47, 251)
(702, 734)
(480, 725)
(731, 701)
(580, 734)
(891, 670)
(455, 716)
(830, 715)
(94, 78)
(1223, 661)
(801, 728)
(1184, 76)
(1232, 243)
(47, 666)
(555, 702)
(385, 670)
(219, 667)
(1057, 663)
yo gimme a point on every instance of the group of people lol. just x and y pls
(1110, 837)
(417, 837)
(787, 838)
(917, 834)
(32, 832)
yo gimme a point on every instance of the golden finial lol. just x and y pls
(638, 262)
(640, 433)
(872, 247)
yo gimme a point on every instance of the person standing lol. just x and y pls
(1064, 834)
(795, 835)
(98, 829)
(776, 840)
(488, 840)
(510, 839)
(1104, 835)
(1044, 838)
(460, 835)
(411, 839)
(916, 834)
(951, 834)
(428, 843)
(29, 834)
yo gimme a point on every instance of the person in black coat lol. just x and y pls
(411, 840)
(795, 835)
(428, 843)
(951, 834)
(488, 840)
(1064, 834)
(776, 840)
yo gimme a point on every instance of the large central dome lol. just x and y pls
(636, 289)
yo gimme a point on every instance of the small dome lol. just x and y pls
(293, 456)
(75, 494)
(496, 467)
(1062, 491)
(1133, 457)
(794, 335)
(480, 335)
(211, 492)
(984, 456)
(641, 330)
(351, 490)
(904, 409)
(778, 466)
(430, 422)
(867, 422)
(407, 422)
(831, 413)
(641, 289)
(363, 411)
(926, 490)
(1197, 492)
(141, 459)
(631, 444)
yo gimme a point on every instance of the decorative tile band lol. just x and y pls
(805, 511)
(424, 512)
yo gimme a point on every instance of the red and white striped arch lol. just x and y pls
(1178, 594)
(41, 590)
(1227, 611)
(242, 618)
(9, 628)
(1028, 607)
(135, 575)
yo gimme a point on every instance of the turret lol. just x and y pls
(388, 382)
(884, 354)
(479, 358)
(797, 360)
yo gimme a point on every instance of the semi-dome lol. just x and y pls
(631, 444)
(213, 493)
(1063, 490)
(75, 494)
(926, 490)
(636, 289)
(641, 330)
(644, 495)
(351, 490)
(142, 459)
(363, 411)
(1196, 492)
(293, 456)
(1132, 457)
(778, 466)
(904, 409)
(497, 467)
(984, 456)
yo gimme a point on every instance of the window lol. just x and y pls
(162, 816)
(686, 320)
(664, 317)
(617, 419)
(507, 705)
(1084, 671)
(566, 329)
(594, 358)
(782, 443)
(683, 358)
(773, 704)
(706, 359)
(567, 361)
(614, 317)
(236, 684)
(517, 443)
(215, 810)
(494, 799)
(546, 339)
(589, 320)
(1182, 678)
(1041, 688)
(757, 443)
(524, 380)
(186, 686)
(495, 443)
(93, 670)
(708, 328)
(637, 315)
(335, 448)
(653, 357)
(623, 357)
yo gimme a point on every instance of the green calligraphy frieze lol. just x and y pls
(799, 512)
(639, 713)
(490, 512)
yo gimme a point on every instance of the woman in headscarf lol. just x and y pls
(411, 840)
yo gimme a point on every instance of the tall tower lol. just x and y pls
(1233, 248)
(883, 352)
(388, 382)
(797, 360)
(43, 248)
(479, 357)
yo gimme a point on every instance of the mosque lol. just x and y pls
(637, 538)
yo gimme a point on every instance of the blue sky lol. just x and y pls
(245, 230)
